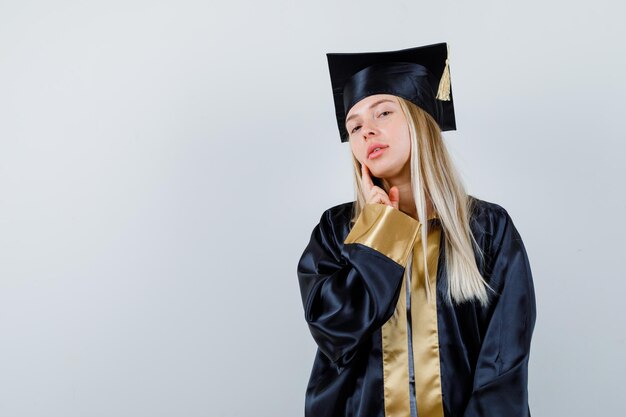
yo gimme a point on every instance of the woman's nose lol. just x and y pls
(368, 131)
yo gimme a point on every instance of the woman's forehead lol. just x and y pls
(369, 102)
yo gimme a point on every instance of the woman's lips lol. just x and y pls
(376, 154)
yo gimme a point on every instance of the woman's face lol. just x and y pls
(378, 121)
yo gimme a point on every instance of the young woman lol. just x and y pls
(419, 296)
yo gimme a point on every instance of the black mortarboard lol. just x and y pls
(420, 75)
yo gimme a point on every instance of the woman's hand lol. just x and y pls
(375, 194)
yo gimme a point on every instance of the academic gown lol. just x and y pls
(383, 350)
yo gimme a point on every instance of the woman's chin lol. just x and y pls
(384, 172)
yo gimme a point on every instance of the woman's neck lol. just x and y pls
(407, 201)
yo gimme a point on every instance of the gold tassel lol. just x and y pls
(443, 93)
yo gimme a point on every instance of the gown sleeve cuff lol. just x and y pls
(386, 230)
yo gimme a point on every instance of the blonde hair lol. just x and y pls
(433, 174)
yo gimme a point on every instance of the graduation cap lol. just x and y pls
(420, 75)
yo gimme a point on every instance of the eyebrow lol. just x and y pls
(372, 105)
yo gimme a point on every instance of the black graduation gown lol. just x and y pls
(351, 285)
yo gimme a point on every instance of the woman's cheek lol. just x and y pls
(360, 156)
(356, 153)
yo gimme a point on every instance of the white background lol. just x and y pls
(162, 165)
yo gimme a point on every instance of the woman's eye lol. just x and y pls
(385, 113)
(355, 129)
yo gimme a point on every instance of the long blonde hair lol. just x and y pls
(433, 174)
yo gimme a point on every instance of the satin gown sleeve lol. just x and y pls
(501, 376)
(350, 285)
